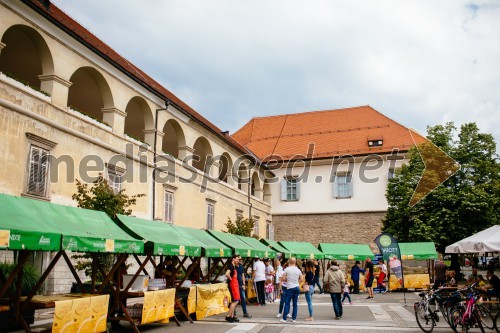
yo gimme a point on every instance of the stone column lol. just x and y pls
(114, 118)
(258, 193)
(57, 87)
(185, 151)
(149, 137)
(213, 169)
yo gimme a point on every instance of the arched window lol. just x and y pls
(173, 138)
(25, 55)
(226, 164)
(139, 118)
(202, 152)
(89, 93)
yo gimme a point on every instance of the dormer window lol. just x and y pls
(375, 143)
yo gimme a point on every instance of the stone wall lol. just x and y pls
(354, 228)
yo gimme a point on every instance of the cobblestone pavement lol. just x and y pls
(386, 313)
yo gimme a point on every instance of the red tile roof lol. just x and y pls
(332, 132)
(84, 36)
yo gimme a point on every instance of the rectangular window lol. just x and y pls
(210, 216)
(256, 225)
(38, 171)
(269, 231)
(342, 188)
(115, 177)
(169, 207)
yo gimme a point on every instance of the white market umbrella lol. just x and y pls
(487, 240)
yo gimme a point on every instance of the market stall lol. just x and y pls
(272, 244)
(348, 252)
(173, 249)
(418, 264)
(30, 225)
(302, 250)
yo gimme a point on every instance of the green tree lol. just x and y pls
(241, 226)
(466, 203)
(100, 196)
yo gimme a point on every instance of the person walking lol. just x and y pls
(259, 278)
(293, 276)
(334, 282)
(346, 293)
(369, 277)
(243, 287)
(234, 289)
(316, 276)
(310, 289)
(355, 276)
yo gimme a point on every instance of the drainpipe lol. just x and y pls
(249, 194)
(153, 196)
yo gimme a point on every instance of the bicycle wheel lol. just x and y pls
(455, 317)
(425, 320)
(485, 316)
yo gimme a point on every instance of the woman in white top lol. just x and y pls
(277, 279)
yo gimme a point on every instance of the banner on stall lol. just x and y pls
(389, 249)
(211, 299)
(85, 315)
(191, 300)
(158, 306)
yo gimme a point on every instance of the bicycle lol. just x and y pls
(426, 316)
(466, 315)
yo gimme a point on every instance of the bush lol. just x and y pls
(29, 279)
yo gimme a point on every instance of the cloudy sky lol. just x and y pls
(419, 62)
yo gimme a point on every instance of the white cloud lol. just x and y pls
(419, 62)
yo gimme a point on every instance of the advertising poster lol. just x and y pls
(212, 299)
(389, 249)
(158, 306)
(84, 315)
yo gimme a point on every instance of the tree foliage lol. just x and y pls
(100, 196)
(241, 226)
(466, 203)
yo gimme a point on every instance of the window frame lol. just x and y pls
(210, 215)
(115, 172)
(344, 189)
(43, 145)
(256, 227)
(168, 208)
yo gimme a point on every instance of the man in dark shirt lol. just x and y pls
(316, 276)
(439, 273)
(370, 277)
(243, 287)
(493, 289)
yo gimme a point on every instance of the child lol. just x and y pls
(346, 293)
(269, 288)
(452, 282)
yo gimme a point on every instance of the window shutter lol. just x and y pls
(283, 189)
(271, 234)
(349, 181)
(297, 186)
(336, 187)
(38, 171)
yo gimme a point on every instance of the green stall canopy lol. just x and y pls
(418, 251)
(211, 246)
(263, 251)
(303, 250)
(346, 251)
(38, 225)
(161, 237)
(239, 247)
(276, 247)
